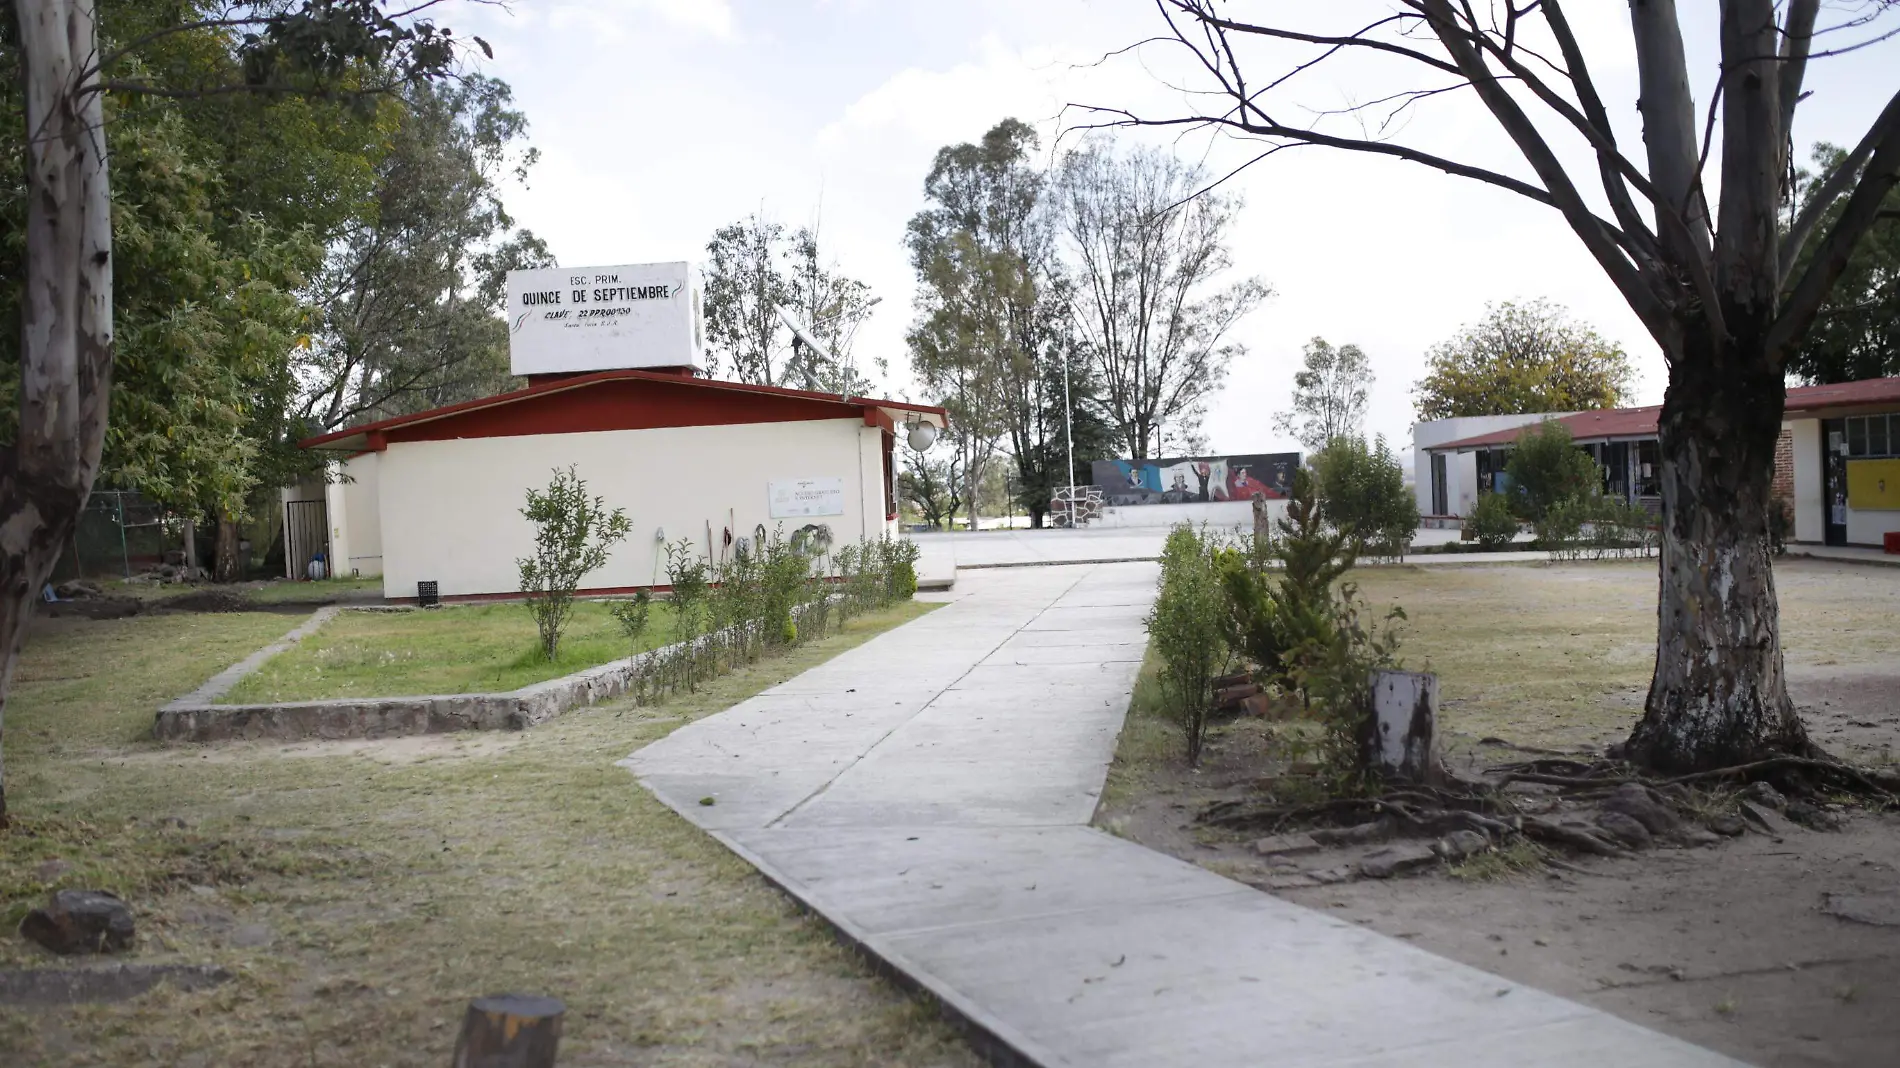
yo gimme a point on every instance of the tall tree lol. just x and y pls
(66, 348)
(992, 303)
(1522, 358)
(1146, 254)
(1856, 334)
(409, 298)
(755, 269)
(1726, 293)
(1329, 395)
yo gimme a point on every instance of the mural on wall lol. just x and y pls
(1191, 479)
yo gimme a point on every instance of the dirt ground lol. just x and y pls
(1734, 944)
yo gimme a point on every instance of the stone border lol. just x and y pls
(196, 718)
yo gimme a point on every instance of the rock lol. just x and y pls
(1767, 819)
(1813, 817)
(1764, 794)
(1396, 859)
(1875, 910)
(1726, 824)
(1376, 831)
(1329, 876)
(81, 921)
(1625, 829)
(74, 589)
(1697, 837)
(1634, 800)
(1460, 844)
(1285, 845)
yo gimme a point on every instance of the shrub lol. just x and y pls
(1780, 526)
(1336, 675)
(572, 535)
(1492, 522)
(1546, 467)
(1186, 627)
(633, 615)
(1362, 492)
(1275, 617)
(1560, 528)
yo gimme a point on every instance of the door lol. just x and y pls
(306, 536)
(1439, 501)
(1834, 481)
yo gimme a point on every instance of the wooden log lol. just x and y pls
(510, 1031)
(1399, 732)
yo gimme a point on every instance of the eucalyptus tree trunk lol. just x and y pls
(1719, 695)
(66, 313)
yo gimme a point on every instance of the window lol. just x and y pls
(1649, 468)
(1873, 435)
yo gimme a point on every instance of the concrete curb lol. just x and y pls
(196, 718)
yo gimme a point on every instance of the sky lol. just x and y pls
(660, 120)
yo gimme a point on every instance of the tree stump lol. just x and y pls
(1399, 730)
(510, 1031)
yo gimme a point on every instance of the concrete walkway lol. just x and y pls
(929, 794)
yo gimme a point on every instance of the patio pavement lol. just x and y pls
(928, 793)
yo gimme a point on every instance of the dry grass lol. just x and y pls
(361, 892)
(1560, 655)
(488, 648)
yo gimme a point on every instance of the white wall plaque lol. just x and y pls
(797, 497)
(568, 319)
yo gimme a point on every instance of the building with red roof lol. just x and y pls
(1837, 464)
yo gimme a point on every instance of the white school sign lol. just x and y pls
(574, 319)
(800, 497)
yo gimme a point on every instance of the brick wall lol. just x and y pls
(1783, 486)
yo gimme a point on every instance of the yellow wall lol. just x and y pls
(1873, 484)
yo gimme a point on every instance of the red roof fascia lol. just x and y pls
(374, 431)
(1841, 394)
(1641, 422)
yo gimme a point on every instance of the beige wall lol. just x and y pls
(362, 518)
(1809, 517)
(451, 510)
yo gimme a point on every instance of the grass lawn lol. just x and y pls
(320, 590)
(453, 649)
(363, 891)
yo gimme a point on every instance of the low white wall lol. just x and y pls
(1867, 527)
(1219, 514)
(451, 510)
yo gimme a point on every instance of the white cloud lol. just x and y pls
(610, 19)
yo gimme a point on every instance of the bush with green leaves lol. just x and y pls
(1336, 675)
(1560, 527)
(1491, 521)
(1186, 627)
(633, 615)
(1547, 467)
(573, 534)
(1362, 492)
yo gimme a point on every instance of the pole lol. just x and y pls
(1068, 432)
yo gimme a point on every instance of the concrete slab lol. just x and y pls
(929, 792)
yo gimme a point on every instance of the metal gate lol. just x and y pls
(306, 534)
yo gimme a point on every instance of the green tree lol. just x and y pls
(1856, 334)
(993, 330)
(1522, 358)
(1363, 493)
(1185, 626)
(1546, 468)
(1329, 395)
(573, 534)
(408, 302)
(65, 70)
(755, 270)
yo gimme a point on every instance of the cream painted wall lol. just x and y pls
(362, 517)
(1809, 515)
(451, 510)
